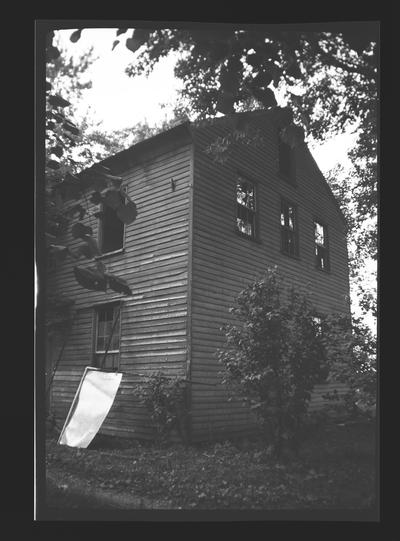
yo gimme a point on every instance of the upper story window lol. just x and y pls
(111, 232)
(286, 161)
(289, 229)
(246, 208)
(107, 335)
(321, 246)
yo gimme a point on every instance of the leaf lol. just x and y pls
(79, 230)
(69, 126)
(96, 198)
(139, 36)
(58, 101)
(118, 284)
(59, 117)
(127, 213)
(92, 243)
(52, 53)
(53, 164)
(115, 43)
(121, 31)
(58, 151)
(112, 198)
(75, 36)
(88, 249)
(90, 279)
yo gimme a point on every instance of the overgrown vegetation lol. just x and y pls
(165, 399)
(278, 349)
(334, 470)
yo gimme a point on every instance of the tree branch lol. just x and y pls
(351, 68)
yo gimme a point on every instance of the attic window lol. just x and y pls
(111, 230)
(321, 246)
(289, 231)
(286, 161)
(245, 208)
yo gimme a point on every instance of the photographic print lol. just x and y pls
(207, 268)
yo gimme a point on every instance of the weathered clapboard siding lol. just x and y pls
(224, 262)
(155, 264)
(185, 264)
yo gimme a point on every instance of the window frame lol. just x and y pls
(295, 230)
(255, 236)
(98, 354)
(325, 246)
(100, 234)
(290, 177)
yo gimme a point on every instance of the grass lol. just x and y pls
(335, 469)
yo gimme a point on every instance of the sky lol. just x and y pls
(119, 101)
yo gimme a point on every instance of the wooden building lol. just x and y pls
(204, 230)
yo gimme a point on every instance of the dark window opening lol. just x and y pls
(111, 230)
(321, 246)
(246, 208)
(289, 232)
(286, 161)
(107, 327)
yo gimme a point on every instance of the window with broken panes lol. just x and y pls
(108, 335)
(289, 232)
(321, 246)
(246, 208)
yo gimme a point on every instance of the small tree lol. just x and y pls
(273, 356)
(165, 399)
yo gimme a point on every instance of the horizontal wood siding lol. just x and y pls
(224, 262)
(155, 265)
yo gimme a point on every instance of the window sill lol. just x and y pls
(109, 254)
(247, 237)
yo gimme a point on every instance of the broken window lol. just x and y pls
(111, 230)
(286, 161)
(289, 232)
(321, 246)
(246, 208)
(107, 335)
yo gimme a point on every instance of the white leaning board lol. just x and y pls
(91, 404)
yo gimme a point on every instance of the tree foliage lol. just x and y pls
(327, 77)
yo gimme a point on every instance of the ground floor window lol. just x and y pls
(107, 337)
